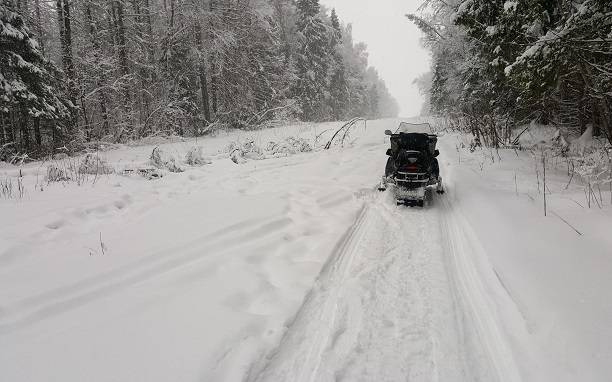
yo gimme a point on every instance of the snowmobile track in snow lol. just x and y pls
(476, 281)
(382, 309)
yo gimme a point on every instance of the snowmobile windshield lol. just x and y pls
(405, 127)
(414, 141)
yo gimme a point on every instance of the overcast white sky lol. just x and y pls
(393, 44)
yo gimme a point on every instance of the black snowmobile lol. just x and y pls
(412, 168)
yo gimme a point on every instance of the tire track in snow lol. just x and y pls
(485, 303)
(65, 298)
(380, 309)
(317, 314)
(466, 257)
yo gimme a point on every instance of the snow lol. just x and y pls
(555, 281)
(510, 6)
(464, 6)
(293, 267)
(584, 142)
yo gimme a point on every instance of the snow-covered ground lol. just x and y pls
(295, 268)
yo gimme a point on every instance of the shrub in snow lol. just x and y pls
(9, 191)
(7, 151)
(163, 160)
(93, 165)
(559, 142)
(195, 157)
(56, 174)
(594, 167)
(236, 157)
(241, 152)
(585, 144)
(289, 146)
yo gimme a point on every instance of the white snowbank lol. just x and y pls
(202, 275)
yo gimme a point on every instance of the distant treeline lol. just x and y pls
(73, 72)
(498, 64)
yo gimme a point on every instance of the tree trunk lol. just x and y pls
(171, 23)
(597, 112)
(202, 72)
(213, 66)
(25, 132)
(594, 118)
(59, 8)
(150, 39)
(65, 27)
(121, 39)
(100, 79)
(37, 134)
(9, 135)
(3, 135)
(39, 29)
(605, 118)
(65, 32)
(204, 91)
(118, 13)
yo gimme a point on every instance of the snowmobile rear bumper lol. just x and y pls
(411, 188)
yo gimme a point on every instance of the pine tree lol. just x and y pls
(338, 87)
(501, 63)
(312, 61)
(140, 67)
(26, 84)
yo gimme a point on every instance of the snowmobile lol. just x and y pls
(412, 168)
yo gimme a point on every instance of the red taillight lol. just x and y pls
(412, 168)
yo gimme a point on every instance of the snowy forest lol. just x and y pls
(498, 64)
(74, 73)
(221, 190)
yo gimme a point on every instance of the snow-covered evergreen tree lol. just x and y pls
(312, 61)
(140, 67)
(501, 63)
(338, 87)
(27, 93)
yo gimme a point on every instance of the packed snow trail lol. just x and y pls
(295, 268)
(380, 309)
(398, 300)
(204, 270)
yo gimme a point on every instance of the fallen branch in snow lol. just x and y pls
(102, 245)
(346, 127)
(318, 136)
(515, 141)
(572, 172)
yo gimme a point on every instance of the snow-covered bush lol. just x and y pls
(9, 191)
(163, 160)
(93, 165)
(195, 157)
(289, 146)
(241, 152)
(560, 143)
(57, 174)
